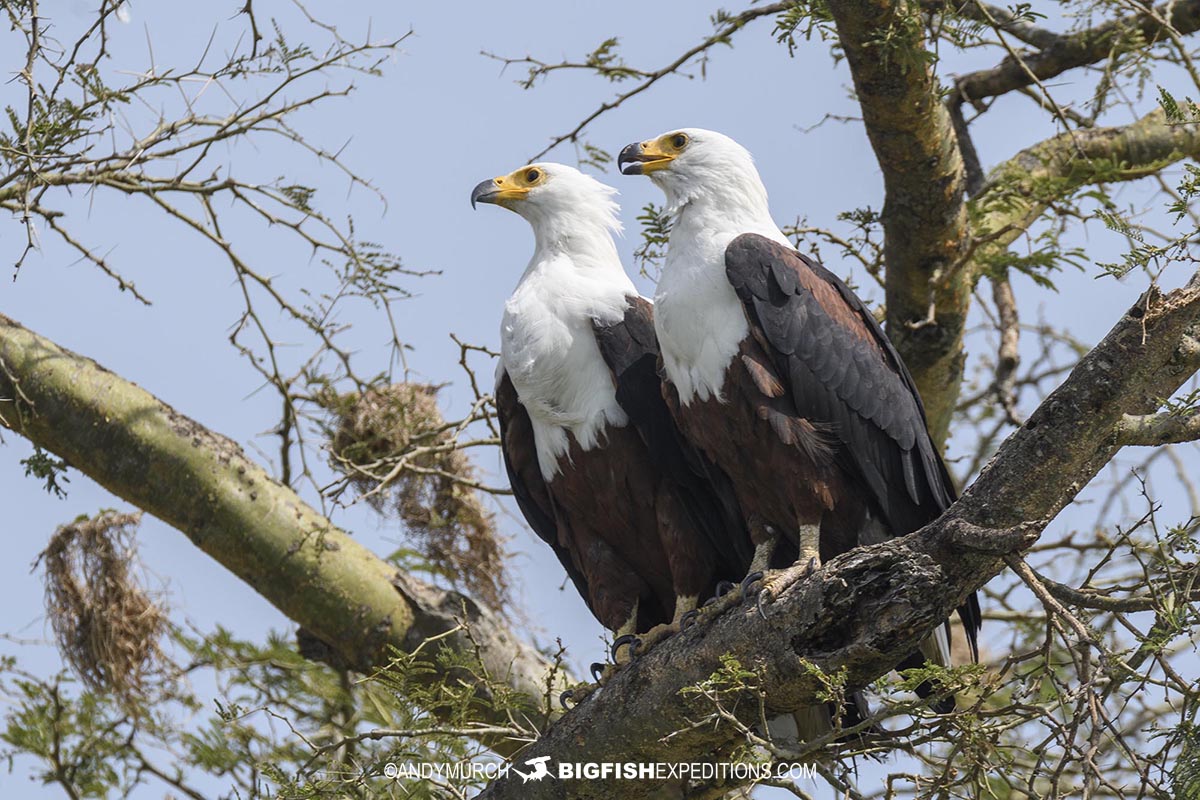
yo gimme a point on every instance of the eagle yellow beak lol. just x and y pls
(498, 190)
(509, 188)
(642, 158)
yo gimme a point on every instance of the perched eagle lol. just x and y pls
(597, 465)
(781, 375)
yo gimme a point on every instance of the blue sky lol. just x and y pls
(442, 118)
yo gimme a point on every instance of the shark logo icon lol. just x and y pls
(538, 772)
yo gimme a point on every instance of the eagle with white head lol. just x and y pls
(596, 463)
(780, 374)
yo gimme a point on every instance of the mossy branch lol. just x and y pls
(924, 216)
(201, 483)
(1020, 190)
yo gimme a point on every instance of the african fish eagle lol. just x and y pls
(596, 463)
(781, 375)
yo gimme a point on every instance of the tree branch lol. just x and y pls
(924, 215)
(147, 453)
(864, 610)
(646, 78)
(1003, 19)
(1066, 52)
(1151, 430)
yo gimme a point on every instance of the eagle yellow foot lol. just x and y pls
(656, 635)
(772, 582)
(725, 598)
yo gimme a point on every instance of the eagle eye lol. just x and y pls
(532, 175)
(679, 140)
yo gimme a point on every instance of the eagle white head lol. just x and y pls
(560, 202)
(573, 281)
(693, 165)
(714, 195)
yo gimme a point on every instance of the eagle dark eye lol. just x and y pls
(532, 175)
(679, 140)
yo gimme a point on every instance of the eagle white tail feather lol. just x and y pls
(790, 730)
(812, 722)
(936, 647)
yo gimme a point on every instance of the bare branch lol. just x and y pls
(647, 77)
(1080, 49)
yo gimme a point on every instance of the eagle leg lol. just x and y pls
(810, 557)
(685, 614)
(765, 538)
(626, 635)
(810, 546)
(684, 605)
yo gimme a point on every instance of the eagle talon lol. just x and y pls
(567, 700)
(764, 592)
(597, 669)
(724, 588)
(749, 581)
(628, 639)
(688, 619)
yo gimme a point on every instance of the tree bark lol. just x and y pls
(201, 483)
(924, 216)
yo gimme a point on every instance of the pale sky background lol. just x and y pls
(442, 118)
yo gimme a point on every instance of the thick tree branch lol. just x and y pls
(147, 453)
(864, 610)
(1066, 52)
(924, 215)
(1002, 18)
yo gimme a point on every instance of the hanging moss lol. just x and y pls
(397, 451)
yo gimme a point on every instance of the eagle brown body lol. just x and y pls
(787, 478)
(633, 520)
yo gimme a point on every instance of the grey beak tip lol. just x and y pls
(481, 191)
(627, 161)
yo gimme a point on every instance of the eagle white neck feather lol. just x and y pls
(547, 344)
(715, 195)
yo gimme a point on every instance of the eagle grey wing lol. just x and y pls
(845, 375)
(525, 476)
(630, 349)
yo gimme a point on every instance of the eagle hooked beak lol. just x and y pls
(504, 189)
(493, 190)
(642, 158)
